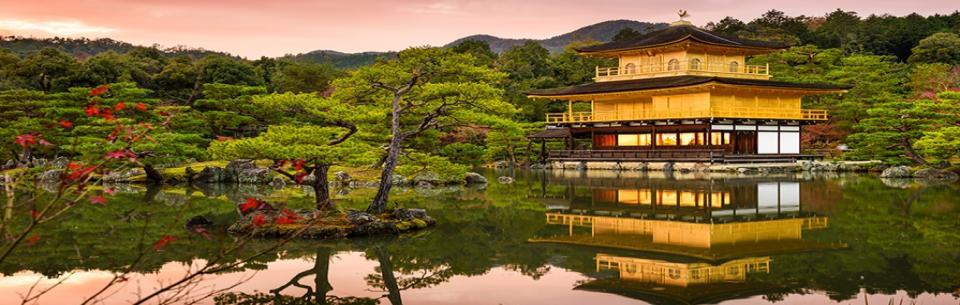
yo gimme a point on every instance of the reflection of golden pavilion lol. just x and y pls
(681, 274)
(711, 241)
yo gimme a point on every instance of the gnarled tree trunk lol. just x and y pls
(389, 163)
(153, 175)
(321, 186)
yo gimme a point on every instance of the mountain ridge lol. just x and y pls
(83, 47)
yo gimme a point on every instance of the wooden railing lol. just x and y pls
(682, 67)
(726, 112)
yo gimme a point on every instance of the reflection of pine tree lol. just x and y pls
(388, 282)
(317, 294)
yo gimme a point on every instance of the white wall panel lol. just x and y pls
(767, 142)
(789, 142)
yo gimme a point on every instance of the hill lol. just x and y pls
(603, 31)
(341, 60)
(84, 47)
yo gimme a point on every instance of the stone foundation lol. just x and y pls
(743, 168)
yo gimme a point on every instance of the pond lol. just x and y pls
(550, 237)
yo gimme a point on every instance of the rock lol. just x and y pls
(278, 182)
(10, 164)
(39, 162)
(212, 174)
(474, 178)
(189, 173)
(935, 174)
(60, 162)
(668, 167)
(602, 165)
(897, 172)
(424, 185)
(398, 180)
(361, 218)
(538, 166)
(407, 214)
(747, 170)
(254, 176)
(235, 167)
(52, 176)
(505, 180)
(122, 175)
(502, 164)
(342, 177)
(633, 166)
(879, 168)
(426, 176)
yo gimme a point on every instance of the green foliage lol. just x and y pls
(626, 34)
(464, 153)
(479, 49)
(928, 79)
(891, 129)
(938, 48)
(940, 146)
(415, 163)
(284, 142)
(301, 77)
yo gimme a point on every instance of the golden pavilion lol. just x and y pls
(682, 94)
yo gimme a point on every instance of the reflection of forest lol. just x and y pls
(898, 239)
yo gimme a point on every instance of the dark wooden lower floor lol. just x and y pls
(687, 155)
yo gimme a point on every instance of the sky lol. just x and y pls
(254, 28)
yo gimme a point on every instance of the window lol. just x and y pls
(695, 64)
(734, 67)
(666, 139)
(633, 139)
(688, 138)
(673, 65)
(630, 69)
(719, 138)
(604, 140)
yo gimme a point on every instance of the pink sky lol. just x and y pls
(276, 27)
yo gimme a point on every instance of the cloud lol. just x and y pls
(65, 28)
(440, 7)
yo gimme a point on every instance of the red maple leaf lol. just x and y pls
(81, 172)
(290, 214)
(163, 242)
(249, 205)
(98, 199)
(32, 240)
(66, 124)
(107, 114)
(299, 177)
(259, 220)
(140, 106)
(73, 165)
(284, 220)
(110, 191)
(119, 106)
(92, 110)
(99, 90)
(25, 140)
(298, 165)
(121, 154)
(34, 214)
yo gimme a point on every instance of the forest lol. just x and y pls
(902, 109)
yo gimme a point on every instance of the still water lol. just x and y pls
(554, 237)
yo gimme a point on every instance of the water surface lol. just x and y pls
(555, 237)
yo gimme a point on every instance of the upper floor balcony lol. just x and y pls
(676, 67)
(715, 112)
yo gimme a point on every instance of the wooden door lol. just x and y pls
(745, 142)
